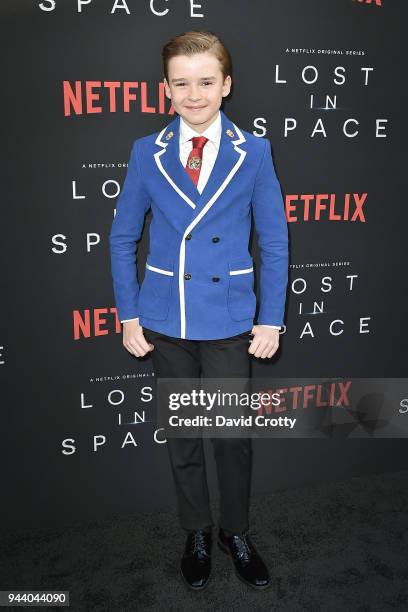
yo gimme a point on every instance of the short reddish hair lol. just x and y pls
(196, 41)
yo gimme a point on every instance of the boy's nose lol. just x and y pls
(194, 94)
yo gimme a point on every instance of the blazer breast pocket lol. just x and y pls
(155, 291)
(241, 297)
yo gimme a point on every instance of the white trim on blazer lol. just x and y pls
(160, 270)
(164, 173)
(198, 218)
(244, 271)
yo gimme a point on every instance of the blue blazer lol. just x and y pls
(199, 276)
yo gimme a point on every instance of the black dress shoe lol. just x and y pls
(248, 564)
(196, 560)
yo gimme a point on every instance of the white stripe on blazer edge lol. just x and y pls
(243, 271)
(182, 255)
(157, 155)
(159, 270)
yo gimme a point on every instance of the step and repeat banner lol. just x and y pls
(83, 79)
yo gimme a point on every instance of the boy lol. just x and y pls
(201, 175)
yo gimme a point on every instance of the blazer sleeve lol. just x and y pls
(272, 230)
(131, 208)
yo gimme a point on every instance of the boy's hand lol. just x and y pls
(134, 340)
(265, 342)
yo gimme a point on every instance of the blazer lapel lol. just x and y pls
(227, 162)
(169, 164)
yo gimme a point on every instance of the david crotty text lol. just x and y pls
(222, 421)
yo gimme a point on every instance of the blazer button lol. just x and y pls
(188, 237)
(187, 276)
(216, 279)
(215, 239)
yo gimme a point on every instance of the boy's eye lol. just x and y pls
(203, 83)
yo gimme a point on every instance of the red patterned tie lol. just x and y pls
(194, 161)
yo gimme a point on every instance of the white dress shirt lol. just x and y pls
(210, 152)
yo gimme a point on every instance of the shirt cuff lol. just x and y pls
(274, 326)
(280, 327)
(135, 319)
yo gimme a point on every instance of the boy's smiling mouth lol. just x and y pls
(195, 108)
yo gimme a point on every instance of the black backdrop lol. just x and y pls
(69, 388)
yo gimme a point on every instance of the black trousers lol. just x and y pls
(229, 358)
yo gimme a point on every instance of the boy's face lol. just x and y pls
(196, 87)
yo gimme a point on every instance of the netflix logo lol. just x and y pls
(91, 323)
(325, 207)
(300, 397)
(113, 96)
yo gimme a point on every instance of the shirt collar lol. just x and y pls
(213, 132)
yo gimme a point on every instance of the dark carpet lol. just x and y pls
(332, 546)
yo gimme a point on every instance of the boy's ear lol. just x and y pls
(166, 88)
(227, 85)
